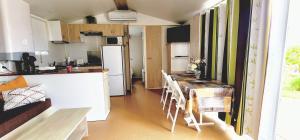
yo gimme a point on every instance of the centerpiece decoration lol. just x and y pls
(198, 66)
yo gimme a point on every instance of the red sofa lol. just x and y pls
(12, 119)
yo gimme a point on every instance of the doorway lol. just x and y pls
(136, 46)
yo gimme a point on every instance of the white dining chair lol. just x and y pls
(165, 86)
(166, 90)
(180, 103)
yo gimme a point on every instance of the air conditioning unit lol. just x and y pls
(122, 15)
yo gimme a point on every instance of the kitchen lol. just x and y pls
(45, 50)
(69, 59)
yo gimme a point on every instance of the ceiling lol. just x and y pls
(172, 10)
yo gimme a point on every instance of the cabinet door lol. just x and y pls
(113, 30)
(15, 27)
(97, 27)
(106, 30)
(39, 33)
(117, 30)
(153, 56)
(85, 27)
(64, 32)
(91, 27)
(74, 33)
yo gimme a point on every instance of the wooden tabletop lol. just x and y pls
(58, 126)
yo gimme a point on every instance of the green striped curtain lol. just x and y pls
(215, 44)
(236, 49)
(233, 39)
(202, 22)
(210, 43)
(242, 62)
(202, 49)
(235, 54)
(225, 75)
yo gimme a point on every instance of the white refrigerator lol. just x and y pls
(113, 60)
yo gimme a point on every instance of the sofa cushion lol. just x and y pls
(12, 119)
(23, 96)
(19, 82)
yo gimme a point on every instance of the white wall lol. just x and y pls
(142, 19)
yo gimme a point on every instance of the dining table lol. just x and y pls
(203, 96)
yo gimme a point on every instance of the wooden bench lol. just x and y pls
(64, 124)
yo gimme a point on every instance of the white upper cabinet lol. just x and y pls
(58, 31)
(15, 27)
(40, 34)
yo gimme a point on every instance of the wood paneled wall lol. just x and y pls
(195, 37)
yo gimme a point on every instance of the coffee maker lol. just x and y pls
(26, 64)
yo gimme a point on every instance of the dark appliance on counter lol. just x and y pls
(26, 64)
(114, 41)
(94, 58)
(91, 20)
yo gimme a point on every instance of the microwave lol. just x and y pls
(114, 40)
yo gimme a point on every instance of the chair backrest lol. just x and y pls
(177, 94)
(164, 74)
(169, 80)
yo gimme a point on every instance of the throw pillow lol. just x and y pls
(23, 96)
(19, 82)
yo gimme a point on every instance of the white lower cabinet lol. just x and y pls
(77, 90)
(106, 92)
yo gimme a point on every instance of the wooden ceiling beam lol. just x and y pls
(121, 4)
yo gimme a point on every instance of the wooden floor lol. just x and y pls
(140, 117)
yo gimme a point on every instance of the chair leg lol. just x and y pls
(174, 121)
(194, 121)
(166, 98)
(169, 110)
(163, 91)
(162, 95)
(201, 118)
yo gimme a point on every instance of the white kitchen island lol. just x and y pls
(75, 90)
